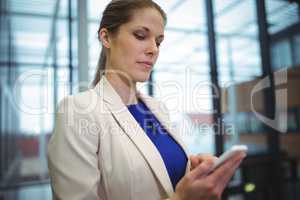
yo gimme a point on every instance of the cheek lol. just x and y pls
(132, 51)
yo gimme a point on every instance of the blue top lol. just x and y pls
(172, 154)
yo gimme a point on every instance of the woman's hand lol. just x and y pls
(202, 184)
(199, 158)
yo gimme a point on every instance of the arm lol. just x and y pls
(72, 156)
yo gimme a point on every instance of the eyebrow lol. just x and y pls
(148, 30)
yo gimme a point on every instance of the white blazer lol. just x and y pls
(99, 151)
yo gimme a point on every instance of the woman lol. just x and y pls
(111, 141)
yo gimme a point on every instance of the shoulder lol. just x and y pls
(81, 102)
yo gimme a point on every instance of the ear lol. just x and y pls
(104, 37)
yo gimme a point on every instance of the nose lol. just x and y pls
(152, 47)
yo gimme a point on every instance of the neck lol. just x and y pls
(125, 88)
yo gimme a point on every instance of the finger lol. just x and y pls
(194, 161)
(202, 157)
(202, 169)
(220, 182)
(197, 159)
(228, 166)
(225, 180)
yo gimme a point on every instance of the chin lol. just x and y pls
(143, 77)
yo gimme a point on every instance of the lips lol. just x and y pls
(146, 64)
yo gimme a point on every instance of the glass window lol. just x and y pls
(181, 75)
(239, 63)
(36, 39)
(283, 19)
(296, 51)
(281, 14)
(281, 54)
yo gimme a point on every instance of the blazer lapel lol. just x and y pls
(135, 133)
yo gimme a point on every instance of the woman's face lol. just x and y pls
(135, 48)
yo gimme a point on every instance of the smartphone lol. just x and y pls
(228, 154)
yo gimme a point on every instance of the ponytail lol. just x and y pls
(100, 67)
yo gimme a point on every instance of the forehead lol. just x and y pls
(147, 17)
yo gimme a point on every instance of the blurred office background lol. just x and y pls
(48, 47)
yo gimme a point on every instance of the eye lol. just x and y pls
(139, 36)
(158, 44)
